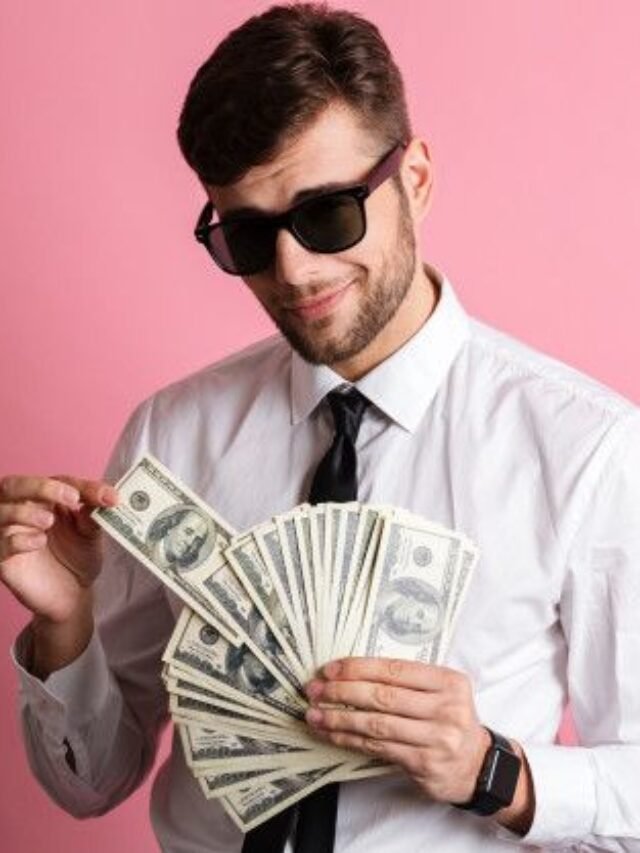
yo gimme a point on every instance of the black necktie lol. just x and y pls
(336, 479)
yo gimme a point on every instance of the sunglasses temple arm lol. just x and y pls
(387, 167)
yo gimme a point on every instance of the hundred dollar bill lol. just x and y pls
(170, 530)
(199, 712)
(207, 745)
(215, 750)
(241, 612)
(253, 805)
(250, 715)
(468, 559)
(320, 551)
(235, 670)
(357, 594)
(348, 517)
(267, 538)
(353, 594)
(298, 570)
(215, 785)
(267, 593)
(413, 583)
(332, 515)
(303, 537)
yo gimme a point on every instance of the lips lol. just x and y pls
(320, 305)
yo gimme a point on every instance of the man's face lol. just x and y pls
(188, 534)
(329, 307)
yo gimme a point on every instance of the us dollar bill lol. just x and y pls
(241, 612)
(253, 805)
(298, 571)
(215, 785)
(265, 590)
(412, 587)
(211, 749)
(189, 709)
(171, 531)
(179, 683)
(234, 670)
(207, 745)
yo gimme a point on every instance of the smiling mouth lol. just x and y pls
(309, 308)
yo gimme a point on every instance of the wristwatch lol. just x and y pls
(497, 780)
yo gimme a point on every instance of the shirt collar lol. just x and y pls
(404, 384)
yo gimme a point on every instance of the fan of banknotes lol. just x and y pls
(266, 608)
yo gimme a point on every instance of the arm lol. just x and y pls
(91, 728)
(92, 719)
(423, 717)
(589, 795)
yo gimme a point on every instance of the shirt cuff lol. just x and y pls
(564, 785)
(70, 697)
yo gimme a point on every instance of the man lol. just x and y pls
(297, 129)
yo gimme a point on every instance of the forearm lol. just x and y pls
(585, 797)
(111, 750)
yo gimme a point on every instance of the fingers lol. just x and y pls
(92, 492)
(63, 491)
(398, 673)
(403, 754)
(374, 696)
(338, 722)
(20, 542)
(28, 514)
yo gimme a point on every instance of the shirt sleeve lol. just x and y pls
(91, 729)
(588, 796)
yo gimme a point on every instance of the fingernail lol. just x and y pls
(45, 519)
(314, 689)
(314, 716)
(108, 496)
(70, 496)
(333, 669)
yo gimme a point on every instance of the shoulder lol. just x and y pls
(544, 388)
(540, 411)
(239, 374)
(211, 402)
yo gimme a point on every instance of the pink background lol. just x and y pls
(530, 112)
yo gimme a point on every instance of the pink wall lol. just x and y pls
(530, 111)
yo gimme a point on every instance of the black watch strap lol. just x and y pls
(497, 780)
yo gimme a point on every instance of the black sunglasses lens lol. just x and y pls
(331, 223)
(243, 248)
(327, 224)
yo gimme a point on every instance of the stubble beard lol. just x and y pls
(378, 306)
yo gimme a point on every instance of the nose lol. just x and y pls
(293, 264)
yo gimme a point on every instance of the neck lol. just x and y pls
(414, 311)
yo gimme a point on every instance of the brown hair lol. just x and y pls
(270, 78)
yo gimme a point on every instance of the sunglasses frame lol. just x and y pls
(384, 169)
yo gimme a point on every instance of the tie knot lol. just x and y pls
(348, 408)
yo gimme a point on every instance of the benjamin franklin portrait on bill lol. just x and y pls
(411, 611)
(181, 538)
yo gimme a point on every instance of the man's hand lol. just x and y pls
(418, 716)
(49, 557)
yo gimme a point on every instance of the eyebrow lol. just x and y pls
(300, 196)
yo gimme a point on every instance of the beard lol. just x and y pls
(379, 304)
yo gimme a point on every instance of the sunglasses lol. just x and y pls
(326, 223)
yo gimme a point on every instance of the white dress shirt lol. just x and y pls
(537, 463)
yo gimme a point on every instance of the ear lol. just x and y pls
(417, 177)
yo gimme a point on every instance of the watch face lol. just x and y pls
(504, 778)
